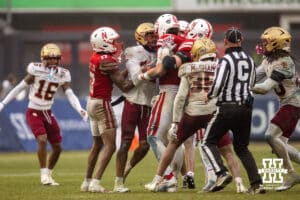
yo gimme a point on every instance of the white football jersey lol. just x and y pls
(196, 80)
(136, 57)
(46, 83)
(287, 90)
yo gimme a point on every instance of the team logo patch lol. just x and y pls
(272, 172)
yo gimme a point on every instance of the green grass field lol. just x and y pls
(19, 175)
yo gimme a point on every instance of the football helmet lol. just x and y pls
(199, 28)
(183, 27)
(275, 38)
(104, 39)
(203, 48)
(50, 50)
(145, 35)
(165, 23)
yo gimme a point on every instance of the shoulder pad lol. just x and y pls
(181, 71)
(65, 74)
(186, 46)
(33, 67)
(135, 52)
(284, 64)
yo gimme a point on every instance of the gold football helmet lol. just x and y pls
(276, 38)
(203, 48)
(50, 50)
(141, 31)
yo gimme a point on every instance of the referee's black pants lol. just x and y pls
(236, 118)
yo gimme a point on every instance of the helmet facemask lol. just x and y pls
(275, 39)
(145, 35)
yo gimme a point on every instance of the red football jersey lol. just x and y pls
(170, 40)
(101, 85)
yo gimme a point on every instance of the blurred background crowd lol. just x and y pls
(25, 25)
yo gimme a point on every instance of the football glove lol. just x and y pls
(172, 133)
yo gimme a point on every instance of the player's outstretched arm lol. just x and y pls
(74, 101)
(16, 90)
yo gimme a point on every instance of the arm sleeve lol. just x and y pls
(264, 87)
(180, 99)
(73, 100)
(260, 73)
(14, 92)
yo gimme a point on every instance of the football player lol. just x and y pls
(104, 72)
(137, 105)
(44, 78)
(167, 28)
(279, 68)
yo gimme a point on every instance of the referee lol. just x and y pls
(234, 78)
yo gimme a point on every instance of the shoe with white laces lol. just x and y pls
(120, 188)
(222, 181)
(240, 188)
(85, 186)
(153, 186)
(292, 179)
(45, 179)
(96, 187)
(168, 185)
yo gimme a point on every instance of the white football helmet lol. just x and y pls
(103, 40)
(183, 27)
(199, 28)
(164, 23)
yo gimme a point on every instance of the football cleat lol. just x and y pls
(188, 182)
(222, 181)
(240, 188)
(207, 187)
(168, 185)
(153, 186)
(85, 186)
(257, 189)
(119, 187)
(52, 181)
(45, 179)
(292, 179)
(96, 187)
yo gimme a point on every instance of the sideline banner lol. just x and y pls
(235, 5)
(15, 135)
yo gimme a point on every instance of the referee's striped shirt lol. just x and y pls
(234, 77)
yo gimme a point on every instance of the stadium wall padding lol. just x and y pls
(15, 135)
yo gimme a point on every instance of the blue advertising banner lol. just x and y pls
(15, 135)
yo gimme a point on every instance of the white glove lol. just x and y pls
(84, 115)
(172, 133)
(1, 106)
